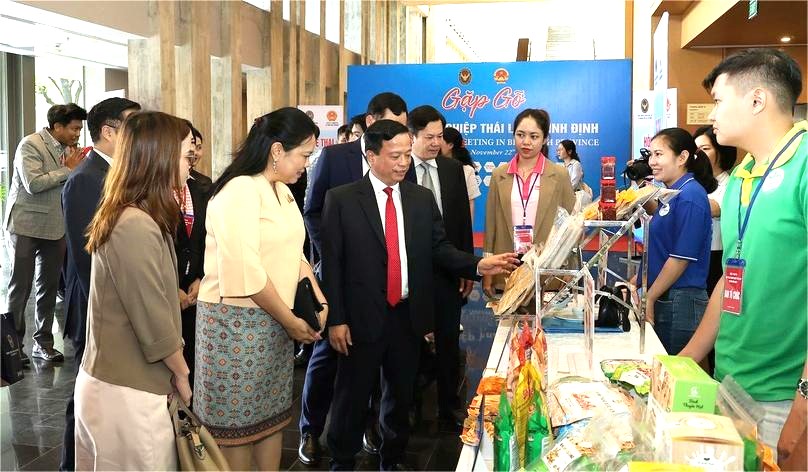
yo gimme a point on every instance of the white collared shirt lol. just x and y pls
(381, 202)
(365, 165)
(432, 167)
(718, 197)
(103, 156)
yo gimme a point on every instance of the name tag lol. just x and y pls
(733, 286)
(522, 238)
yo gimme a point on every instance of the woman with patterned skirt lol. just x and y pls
(253, 263)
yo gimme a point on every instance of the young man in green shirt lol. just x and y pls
(757, 318)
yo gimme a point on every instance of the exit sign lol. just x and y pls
(753, 8)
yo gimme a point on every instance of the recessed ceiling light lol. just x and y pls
(785, 39)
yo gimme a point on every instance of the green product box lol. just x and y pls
(678, 384)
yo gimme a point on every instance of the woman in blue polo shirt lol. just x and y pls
(679, 239)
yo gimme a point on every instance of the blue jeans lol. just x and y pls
(677, 316)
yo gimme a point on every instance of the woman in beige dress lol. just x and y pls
(253, 262)
(133, 360)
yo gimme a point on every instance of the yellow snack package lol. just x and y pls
(528, 383)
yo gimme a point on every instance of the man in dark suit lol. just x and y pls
(383, 240)
(80, 198)
(444, 177)
(190, 248)
(199, 150)
(337, 165)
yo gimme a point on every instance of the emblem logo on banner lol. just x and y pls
(644, 105)
(464, 76)
(501, 75)
(331, 116)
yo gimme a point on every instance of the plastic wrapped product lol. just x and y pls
(506, 452)
(538, 431)
(527, 385)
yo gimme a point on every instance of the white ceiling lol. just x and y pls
(33, 31)
(492, 30)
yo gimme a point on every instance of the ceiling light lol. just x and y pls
(785, 39)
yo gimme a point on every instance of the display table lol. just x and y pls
(566, 357)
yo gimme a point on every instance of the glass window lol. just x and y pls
(4, 145)
(332, 20)
(353, 25)
(312, 15)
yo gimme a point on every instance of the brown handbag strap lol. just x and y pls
(178, 405)
(175, 416)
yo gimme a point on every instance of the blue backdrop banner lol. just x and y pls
(589, 102)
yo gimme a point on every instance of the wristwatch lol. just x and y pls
(802, 388)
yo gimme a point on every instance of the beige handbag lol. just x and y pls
(196, 448)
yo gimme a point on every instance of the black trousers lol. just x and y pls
(396, 352)
(716, 270)
(448, 305)
(68, 461)
(188, 318)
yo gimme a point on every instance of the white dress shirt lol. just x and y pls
(365, 165)
(381, 202)
(432, 166)
(718, 197)
(103, 156)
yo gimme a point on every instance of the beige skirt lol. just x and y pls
(121, 428)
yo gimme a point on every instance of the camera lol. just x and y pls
(639, 169)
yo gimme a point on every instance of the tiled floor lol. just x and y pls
(32, 411)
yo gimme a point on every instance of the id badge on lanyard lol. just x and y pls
(733, 286)
(522, 239)
(734, 272)
(523, 234)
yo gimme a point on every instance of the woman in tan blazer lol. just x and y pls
(527, 191)
(133, 359)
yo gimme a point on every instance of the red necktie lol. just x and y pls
(393, 258)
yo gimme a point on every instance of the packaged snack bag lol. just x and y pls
(506, 453)
(526, 386)
(538, 431)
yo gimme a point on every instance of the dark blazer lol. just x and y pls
(202, 179)
(80, 197)
(337, 165)
(456, 220)
(191, 250)
(355, 257)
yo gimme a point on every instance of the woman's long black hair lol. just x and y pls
(459, 150)
(697, 161)
(569, 146)
(726, 154)
(289, 126)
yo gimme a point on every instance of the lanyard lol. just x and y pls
(519, 183)
(742, 224)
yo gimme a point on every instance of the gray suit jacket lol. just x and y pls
(34, 206)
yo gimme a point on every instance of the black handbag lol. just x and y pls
(610, 313)
(306, 304)
(12, 367)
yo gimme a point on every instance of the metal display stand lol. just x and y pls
(608, 232)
